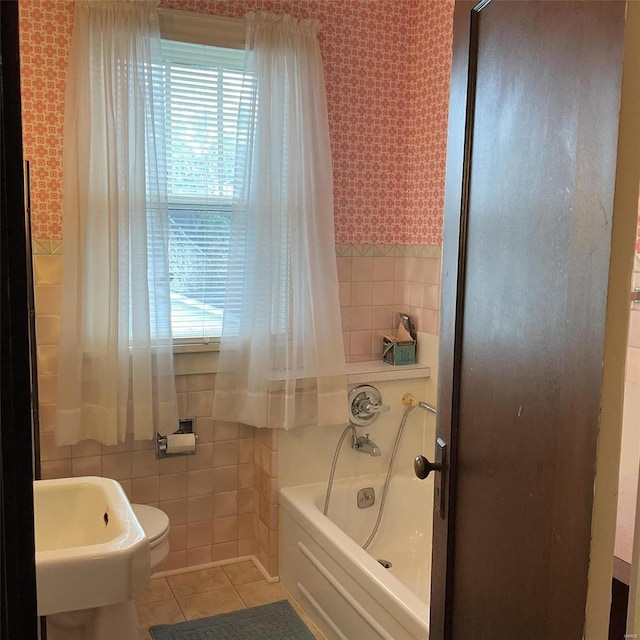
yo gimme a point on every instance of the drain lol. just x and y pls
(385, 563)
(366, 498)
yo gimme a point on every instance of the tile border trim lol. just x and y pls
(54, 247)
(46, 247)
(388, 250)
(43, 246)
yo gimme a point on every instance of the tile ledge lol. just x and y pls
(379, 371)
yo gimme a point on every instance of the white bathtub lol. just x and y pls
(347, 592)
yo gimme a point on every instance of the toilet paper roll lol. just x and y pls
(181, 443)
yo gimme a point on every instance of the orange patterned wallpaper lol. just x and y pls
(387, 73)
(45, 34)
(431, 54)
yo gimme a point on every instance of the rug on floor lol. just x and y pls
(274, 621)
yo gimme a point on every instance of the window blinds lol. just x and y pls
(203, 86)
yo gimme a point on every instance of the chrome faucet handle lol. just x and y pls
(367, 407)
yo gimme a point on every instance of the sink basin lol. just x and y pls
(91, 551)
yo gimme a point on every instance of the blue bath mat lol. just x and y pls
(275, 621)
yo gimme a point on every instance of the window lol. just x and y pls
(203, 86)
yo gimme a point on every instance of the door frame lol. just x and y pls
(608, 460)
(17, 564)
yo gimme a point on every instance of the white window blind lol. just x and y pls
(203, 87)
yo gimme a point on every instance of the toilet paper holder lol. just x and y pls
(179, 443)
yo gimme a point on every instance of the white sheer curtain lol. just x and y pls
(115, 370)
(282, 355)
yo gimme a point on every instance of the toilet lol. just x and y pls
(156, 525)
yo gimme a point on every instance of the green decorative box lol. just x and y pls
(399, 353)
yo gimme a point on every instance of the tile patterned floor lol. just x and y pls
(207, 592)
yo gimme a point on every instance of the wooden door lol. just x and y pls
(18, 612)
(534, 117)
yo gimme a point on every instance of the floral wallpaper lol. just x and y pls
(387, 75)
(45, 34)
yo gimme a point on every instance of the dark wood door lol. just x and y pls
(18, 612)
(531, 171)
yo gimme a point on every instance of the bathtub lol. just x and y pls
(349, 594)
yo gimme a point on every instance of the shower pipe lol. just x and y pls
(349, 428)
(385, 489)
(411, 403)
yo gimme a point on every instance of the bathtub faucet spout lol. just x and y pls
(364, 445)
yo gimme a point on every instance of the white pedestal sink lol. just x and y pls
(92, 554)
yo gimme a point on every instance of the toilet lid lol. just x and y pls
(154, 521)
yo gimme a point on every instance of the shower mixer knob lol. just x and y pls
(365, 404)
(368, 407)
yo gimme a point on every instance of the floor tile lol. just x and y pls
(162, 612)
(185, 584)
(255, 593)
(208, 592)
(158, 589)
(242, 572)
(210, 603)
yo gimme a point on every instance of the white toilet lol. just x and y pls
(156, 525)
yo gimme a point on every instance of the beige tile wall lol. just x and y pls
(266, 522)
(211, 498)
(373, 289)
(222, 502)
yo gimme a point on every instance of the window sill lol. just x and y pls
(194, 359)
(187, 347)
(379, 371)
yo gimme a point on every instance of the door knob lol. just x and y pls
(424, 467)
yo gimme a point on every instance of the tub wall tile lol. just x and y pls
(373, 289)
